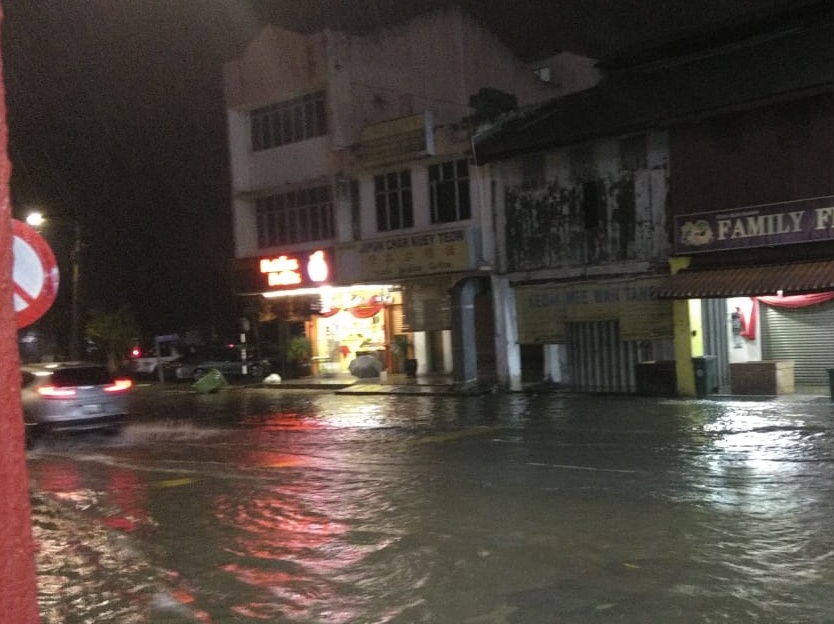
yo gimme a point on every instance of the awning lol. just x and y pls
(789, 279)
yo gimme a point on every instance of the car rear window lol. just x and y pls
(82, 376)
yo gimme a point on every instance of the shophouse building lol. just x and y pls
(655, 229)
(359, 220)
(580, 197)
(751, 197)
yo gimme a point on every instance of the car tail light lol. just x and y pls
(56, 392)
(119, 385)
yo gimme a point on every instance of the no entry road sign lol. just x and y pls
(34, 274)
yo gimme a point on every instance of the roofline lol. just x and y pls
(485, 156)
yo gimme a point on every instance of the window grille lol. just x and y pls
(449, 191)
(297, 217)
(394, 208)
(287, 122)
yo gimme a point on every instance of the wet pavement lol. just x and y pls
(401, 502)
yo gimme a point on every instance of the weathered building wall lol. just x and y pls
(774, 154)
(434, 62)
(277, 65)
(593, 205)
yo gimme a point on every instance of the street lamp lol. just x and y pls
(38, 220)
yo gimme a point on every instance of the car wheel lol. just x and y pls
(199, 373)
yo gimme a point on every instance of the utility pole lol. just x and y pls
(75, 335)
(18, 590)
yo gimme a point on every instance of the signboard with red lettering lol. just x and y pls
(34, 274)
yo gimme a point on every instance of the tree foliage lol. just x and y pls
(114, 333)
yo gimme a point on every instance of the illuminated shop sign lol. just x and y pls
(296, 270)
(800, 221)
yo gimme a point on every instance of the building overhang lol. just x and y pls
(749, 281)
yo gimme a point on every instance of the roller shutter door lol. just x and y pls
(715, 318)
(599, 361)
(804, 335)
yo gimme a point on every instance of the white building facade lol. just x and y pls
(359, 217)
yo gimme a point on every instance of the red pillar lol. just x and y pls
(18, 578)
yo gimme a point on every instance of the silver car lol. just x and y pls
(72, 397)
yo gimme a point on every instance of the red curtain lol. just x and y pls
(789, 301)
(749, 330)
(797, 301)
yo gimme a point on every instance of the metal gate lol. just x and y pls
(803, 335)
(714, 320)
(598, 360)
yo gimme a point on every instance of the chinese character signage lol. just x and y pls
(297, 270)
(283, 271)
(800, 221)
(543, 311)
(415, 254)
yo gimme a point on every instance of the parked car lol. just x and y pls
(145, 362)
(226, 359)
(72, 397)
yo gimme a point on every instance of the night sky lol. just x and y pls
(116, 119)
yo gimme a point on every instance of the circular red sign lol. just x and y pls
(34, 274)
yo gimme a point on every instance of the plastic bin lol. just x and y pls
(212, 381)
(706, 378)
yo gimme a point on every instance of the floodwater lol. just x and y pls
(267, 506)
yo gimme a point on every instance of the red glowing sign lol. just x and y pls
(296, 270)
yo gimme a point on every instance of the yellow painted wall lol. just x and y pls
(689, 335)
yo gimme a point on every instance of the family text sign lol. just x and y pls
(799, 221)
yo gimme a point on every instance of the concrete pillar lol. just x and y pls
(464, 342)
(689, 336)
(507, 350)
(554, 359)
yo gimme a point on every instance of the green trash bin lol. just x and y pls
(706, 378)
(212, 381)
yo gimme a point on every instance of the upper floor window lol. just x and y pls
(394, 208)
(449, 191)
(288, 122)
(297, 217)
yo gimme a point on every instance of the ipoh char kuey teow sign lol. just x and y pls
(799, 221)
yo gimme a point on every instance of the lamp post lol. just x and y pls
(37, 220)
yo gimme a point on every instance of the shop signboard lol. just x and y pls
(544, 310)
(284, 271)
(784, 223)
(397, 140)
(442, 251)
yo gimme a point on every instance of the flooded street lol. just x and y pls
(260, 505)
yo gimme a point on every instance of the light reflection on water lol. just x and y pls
(501, 509)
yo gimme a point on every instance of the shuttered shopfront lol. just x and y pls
(803, 335)
(600, 361)
(607, 326)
